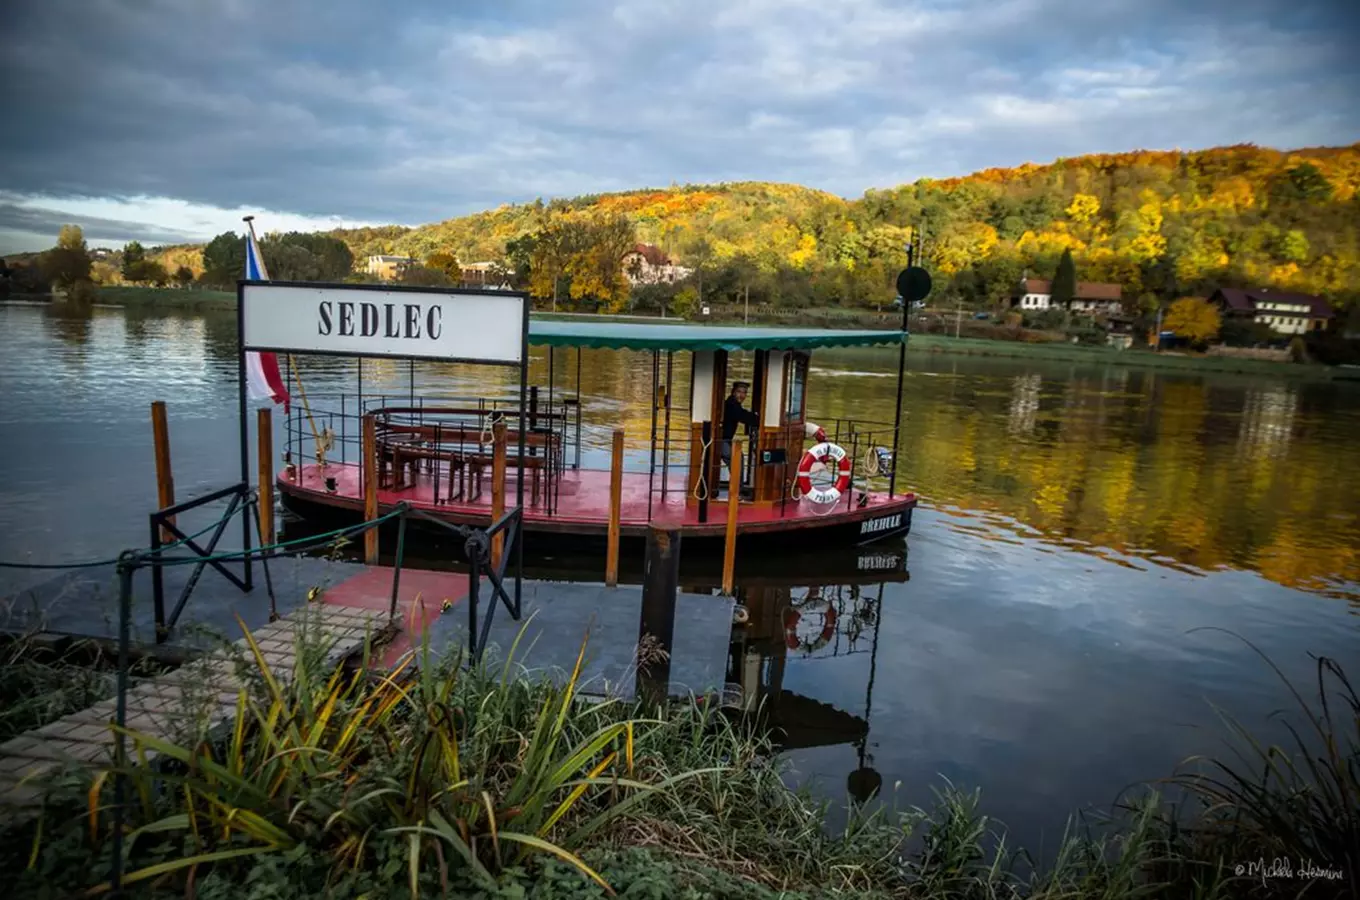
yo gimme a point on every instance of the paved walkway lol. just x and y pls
(203, 691)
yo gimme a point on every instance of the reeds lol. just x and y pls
(441, 780)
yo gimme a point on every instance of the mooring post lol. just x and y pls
(733, 511)
(165, 478)
(656, 624)
(369, 436)
(611, 560)
(498, 489)
(265, 494)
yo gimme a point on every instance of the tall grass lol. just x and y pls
(441, 780)
(39, 685)
(1298, 803)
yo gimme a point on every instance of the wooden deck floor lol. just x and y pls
(161, 707)
(581, 501)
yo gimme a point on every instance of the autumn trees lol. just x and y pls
(579, 257)
(1195, 319)
(67, 265)
(1161, 224)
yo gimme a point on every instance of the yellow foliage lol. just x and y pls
(1046, 242)
(1083, 208)
(961, 247)
(807, 249)
(1287, 274)
(1193, 318)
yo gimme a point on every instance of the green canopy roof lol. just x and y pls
(649, 336)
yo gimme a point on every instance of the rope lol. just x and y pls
(485, 436)
(700, 491)
(307, 408)
(870, 463)
(94, 564)
(316, 539)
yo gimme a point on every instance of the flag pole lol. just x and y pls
(241, 411)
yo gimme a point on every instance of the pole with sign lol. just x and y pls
(478, 326)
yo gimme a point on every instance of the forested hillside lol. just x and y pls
(1162, 224)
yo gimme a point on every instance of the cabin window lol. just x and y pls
(793, 409)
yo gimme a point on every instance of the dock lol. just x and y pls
(203, 691)
(346, 605)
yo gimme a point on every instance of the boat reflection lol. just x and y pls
(805, 609)
(808, 623)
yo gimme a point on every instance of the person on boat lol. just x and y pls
(734, 414)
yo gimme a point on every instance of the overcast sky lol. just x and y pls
(166, 120)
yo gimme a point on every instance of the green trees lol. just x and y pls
(133, 253)
(1162, 225)
(67, 265)
(294, 256)
(137, 269)
(224, 259)
(1065, 281)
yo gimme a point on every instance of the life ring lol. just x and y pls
(826, 453)
(793, 616)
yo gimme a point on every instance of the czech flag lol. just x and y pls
(263, 381)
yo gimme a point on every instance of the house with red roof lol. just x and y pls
(1090, 297)
(1284, 312)
(648, 264)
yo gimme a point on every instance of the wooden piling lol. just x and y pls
(369, 439)
(733, 510)
(498, 488)
(165, 478)
(611, 563)
(265, 427)
(656, 622)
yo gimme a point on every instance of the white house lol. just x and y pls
(647, 264)
(1091, 298)
(388, 268)
(1283, 312)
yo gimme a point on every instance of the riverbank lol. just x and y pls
(1085, 354)
(186, 299)
(138, 298)
(438, 780)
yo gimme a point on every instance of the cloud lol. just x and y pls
(351, 110)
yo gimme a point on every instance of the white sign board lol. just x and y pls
(468, 327)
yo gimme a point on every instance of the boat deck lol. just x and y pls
(581, 502)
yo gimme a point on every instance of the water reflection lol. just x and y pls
(1201, 472)
(1081, 523)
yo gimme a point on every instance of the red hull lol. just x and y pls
(581, 507)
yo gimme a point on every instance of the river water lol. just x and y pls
(1087, 539)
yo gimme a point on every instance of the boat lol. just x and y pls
(832, 483)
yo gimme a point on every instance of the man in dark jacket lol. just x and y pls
(734, 414)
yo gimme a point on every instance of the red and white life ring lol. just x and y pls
(828, 454)
(791, 620)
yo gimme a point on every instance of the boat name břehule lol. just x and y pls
(339, 317)
(887, 523)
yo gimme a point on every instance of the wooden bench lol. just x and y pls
(464, 464)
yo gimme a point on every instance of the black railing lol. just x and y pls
(447, 436)
(477, 547)
(243, 500)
